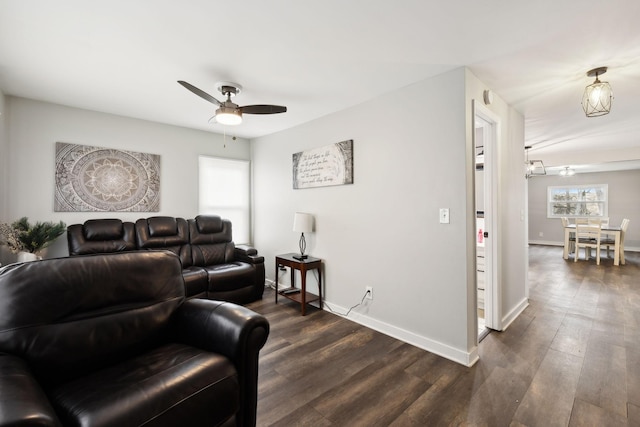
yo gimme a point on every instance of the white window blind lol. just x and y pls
(224, 190)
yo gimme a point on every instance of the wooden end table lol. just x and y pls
(300, 296)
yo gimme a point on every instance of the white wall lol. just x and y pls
(624, 202)
(413, 154)
(514, 255)
(34, 127)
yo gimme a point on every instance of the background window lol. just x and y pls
(577, 201)
(224, 190)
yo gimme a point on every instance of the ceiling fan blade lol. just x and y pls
(263, 109)
(202, 94)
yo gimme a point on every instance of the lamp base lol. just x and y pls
(301, 257)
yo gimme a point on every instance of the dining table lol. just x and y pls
(615, 231)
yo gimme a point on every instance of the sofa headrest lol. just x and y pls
(209, 223)
(160, 226)
(103, 229)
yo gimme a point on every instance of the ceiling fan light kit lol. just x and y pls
(597, 97)
(228, 112)
(228, 116)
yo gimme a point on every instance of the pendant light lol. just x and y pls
(597, 97)
(567, 171)
(534, 167)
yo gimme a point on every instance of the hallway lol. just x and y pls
(582, 332)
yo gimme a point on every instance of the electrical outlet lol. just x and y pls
(541, 234)
(369, 291)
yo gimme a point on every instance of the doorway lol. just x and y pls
(485, 140)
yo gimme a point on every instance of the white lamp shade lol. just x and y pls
(302, 222)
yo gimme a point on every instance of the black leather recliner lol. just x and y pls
(109, 340)
(233, 271)
(212, 265)
(169, 233)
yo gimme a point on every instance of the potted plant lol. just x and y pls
(23, 237)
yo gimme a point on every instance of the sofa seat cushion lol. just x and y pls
(230, 276)
(191, 383)
(196, 281)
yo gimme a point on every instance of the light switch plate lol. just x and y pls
(444, 215)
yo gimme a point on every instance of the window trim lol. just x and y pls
(576, 188)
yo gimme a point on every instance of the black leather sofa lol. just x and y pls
(212, 265)
(110, 340)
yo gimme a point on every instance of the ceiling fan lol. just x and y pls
(229, 113)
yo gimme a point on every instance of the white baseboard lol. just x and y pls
(441, 349)
(513, 314)
(270, 283)
(545, 243)
(553, 243)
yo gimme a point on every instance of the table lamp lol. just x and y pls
(302, 223)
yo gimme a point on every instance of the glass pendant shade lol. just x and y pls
(535, 168)
(597, 97)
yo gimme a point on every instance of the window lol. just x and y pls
(577, 201)
(224, 190)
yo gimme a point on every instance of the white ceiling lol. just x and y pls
(124, 57)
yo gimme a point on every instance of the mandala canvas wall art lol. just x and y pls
(95, 179)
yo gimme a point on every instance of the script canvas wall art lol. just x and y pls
(96, 179)
(324, 166)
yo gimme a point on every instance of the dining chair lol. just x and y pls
(609, 241)
(595, 221)
(572, 236)
(587, 237)
(623, 233)
(604, 223)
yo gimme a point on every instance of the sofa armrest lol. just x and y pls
(233, 331)
(221, 327)
(22, 400)
(248, 254)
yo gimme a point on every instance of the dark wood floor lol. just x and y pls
(571, 359)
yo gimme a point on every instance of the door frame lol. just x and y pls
(491, 139)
